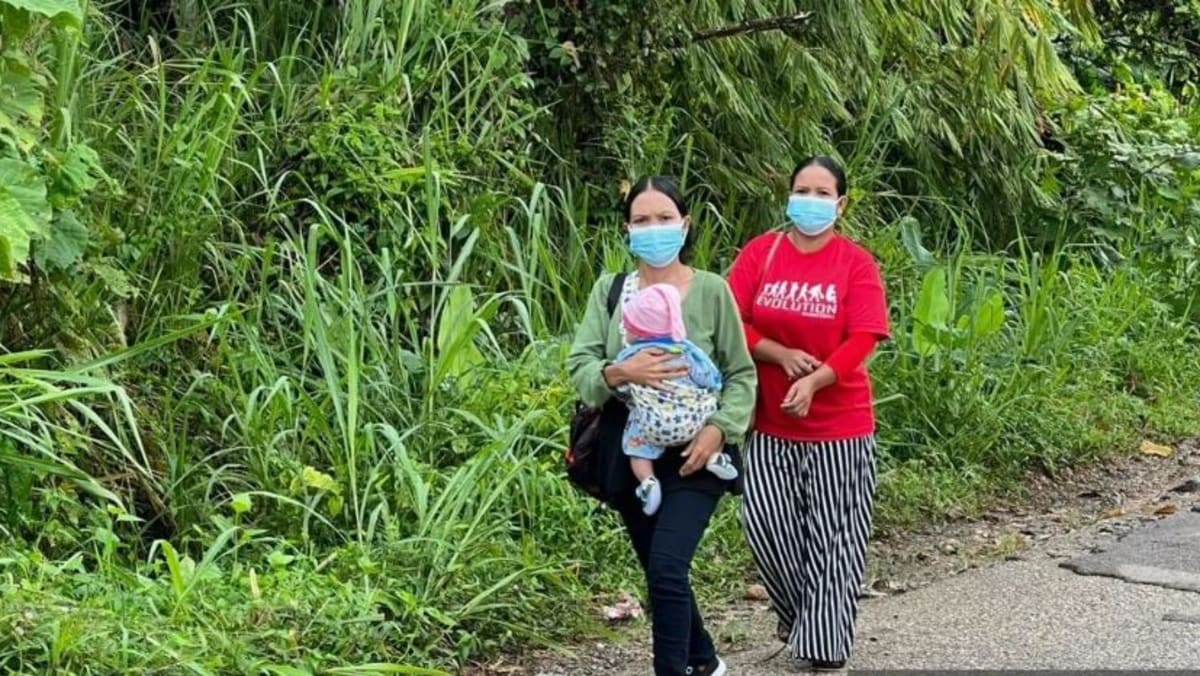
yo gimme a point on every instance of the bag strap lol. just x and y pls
(762, 275)
(614, 292)
(614, 297)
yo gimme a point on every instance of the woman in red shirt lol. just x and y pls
(813, 306)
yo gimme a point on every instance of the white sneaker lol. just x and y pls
(715, 668)
(650, 493)
(722, 467)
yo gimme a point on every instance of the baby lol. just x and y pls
(675, 413)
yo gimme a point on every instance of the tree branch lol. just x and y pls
(773, 23)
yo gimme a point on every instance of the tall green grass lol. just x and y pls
(68, 425)
(1055, 386)
(360, 242)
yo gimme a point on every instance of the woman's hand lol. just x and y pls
(799, 398)
(648, 367)
(797, 363)
(709, 442)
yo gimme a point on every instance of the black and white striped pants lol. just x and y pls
(807, 514)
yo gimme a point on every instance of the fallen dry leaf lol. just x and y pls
(756, 592)
(1166, 510)
(1151, 448)
(626, 608)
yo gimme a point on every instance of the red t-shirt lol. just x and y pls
(811, 302)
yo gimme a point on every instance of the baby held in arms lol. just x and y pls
(673, 412)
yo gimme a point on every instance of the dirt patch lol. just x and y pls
(1118, 494)
(1076, 510)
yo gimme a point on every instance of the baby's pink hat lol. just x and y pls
(656, 311)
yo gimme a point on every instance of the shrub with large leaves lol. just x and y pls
(42, 173)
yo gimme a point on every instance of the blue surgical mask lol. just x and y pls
(657, 245)
(812, 215)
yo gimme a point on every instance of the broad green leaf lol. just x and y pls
(54, 9)
(20, 97)
(335, 504)
(15, 22)
(931, 313)
(910, 235)
(989, 316)
(278, 559)
(67, 241)
(24, 213)
(933, 305)
(1169, 192)
(457, 328)
(22, 104)
(926, 340)
(174, 567)
(17, 136)
(241, 503)
(79, 173)
(314, 478)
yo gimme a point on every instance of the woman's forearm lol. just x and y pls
(767, 350)
(823, 377)
(614, 375)
(851, 353)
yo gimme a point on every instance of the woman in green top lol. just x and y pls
(659, 231)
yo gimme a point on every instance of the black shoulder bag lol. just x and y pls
(594, 461)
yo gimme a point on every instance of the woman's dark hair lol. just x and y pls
(664, 184)
(825, 162)
(669, 187)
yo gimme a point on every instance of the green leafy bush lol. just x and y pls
(358, 236)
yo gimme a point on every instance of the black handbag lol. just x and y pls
(594, 461)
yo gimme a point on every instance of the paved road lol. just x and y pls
(1127, 604)
(1119, 590)
(1031, 615)
(1036, 614)
(1166, 553)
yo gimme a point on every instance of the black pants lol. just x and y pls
(665, 544)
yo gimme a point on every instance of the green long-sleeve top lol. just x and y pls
(713, 324)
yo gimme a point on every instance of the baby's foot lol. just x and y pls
(722, 466)
(650, 493)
